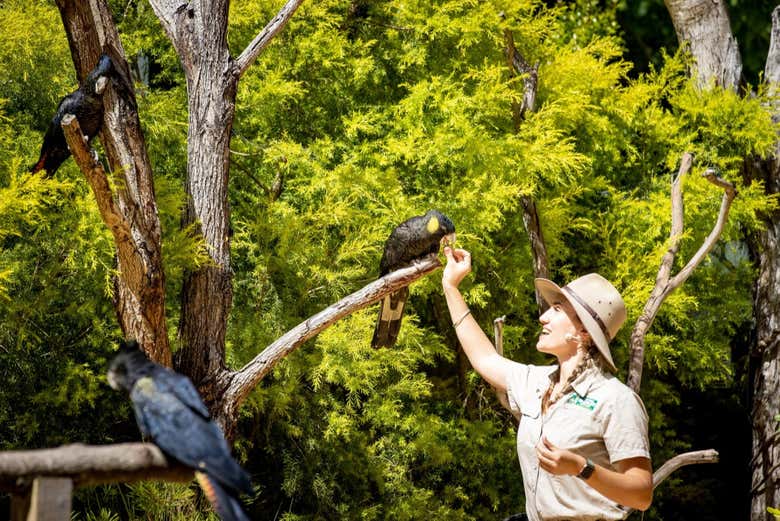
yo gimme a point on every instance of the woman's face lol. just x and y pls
(557, 322)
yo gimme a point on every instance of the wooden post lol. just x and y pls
(49, 500)
(498, 340)
(20, 505)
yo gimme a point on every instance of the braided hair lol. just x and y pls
(591, 358)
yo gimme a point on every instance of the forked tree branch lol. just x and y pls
(665, 283)
(139, 289)
(96, 176)
(253, 50)
(241, 383)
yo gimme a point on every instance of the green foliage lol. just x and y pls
(369, 113)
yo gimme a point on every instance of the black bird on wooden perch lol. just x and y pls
(412, 239)
(86, 104)
(169, 411)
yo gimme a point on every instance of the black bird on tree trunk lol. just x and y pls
(412, 239)
(170, 412)
(86, 104)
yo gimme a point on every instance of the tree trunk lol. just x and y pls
(211, 85)
(765, 250)
(765, 463)
(198, 32)
(703, 25)
(139, 297)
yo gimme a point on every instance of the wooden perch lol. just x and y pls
(97, 179)
(241, 382)
(664, 282)
(88, 465)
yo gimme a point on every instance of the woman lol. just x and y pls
(582, 440)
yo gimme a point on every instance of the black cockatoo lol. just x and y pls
(412, 239)
(170, 412)
(86, 104)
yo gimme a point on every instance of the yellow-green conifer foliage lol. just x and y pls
(359, 115)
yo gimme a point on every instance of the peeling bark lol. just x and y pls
(765, 249)
(703, 25)
(139, 297)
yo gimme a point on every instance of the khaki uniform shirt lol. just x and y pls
(602, 419)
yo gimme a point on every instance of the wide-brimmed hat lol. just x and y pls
(597, 303)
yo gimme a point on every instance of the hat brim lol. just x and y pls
(552, 293)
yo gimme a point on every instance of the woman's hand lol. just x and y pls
(558, 461)
(458, 266)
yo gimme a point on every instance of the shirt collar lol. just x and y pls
(591, 378)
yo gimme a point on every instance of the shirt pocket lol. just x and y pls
(530, 428)
(574, 427)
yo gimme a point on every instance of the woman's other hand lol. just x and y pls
(558, 461)
(458, 266)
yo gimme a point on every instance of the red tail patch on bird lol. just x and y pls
(208, 489)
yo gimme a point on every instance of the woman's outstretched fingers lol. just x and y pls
(458, 266)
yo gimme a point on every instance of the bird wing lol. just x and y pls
(181, 387)
(395, 253)
(182, 432)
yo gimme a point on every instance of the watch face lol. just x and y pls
(587, 470)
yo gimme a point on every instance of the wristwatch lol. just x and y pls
(587, 469)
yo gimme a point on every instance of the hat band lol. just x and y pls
(590, 311)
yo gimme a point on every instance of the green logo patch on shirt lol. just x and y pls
(587, 403)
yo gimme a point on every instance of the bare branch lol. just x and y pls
(253, 50)
(538, 247)
(498, 341)
(498, 334)
(89, 465)
(244, 380)
(681, 460)
(96, 176)
(729, 193)
(519, 66)
(664, 283)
